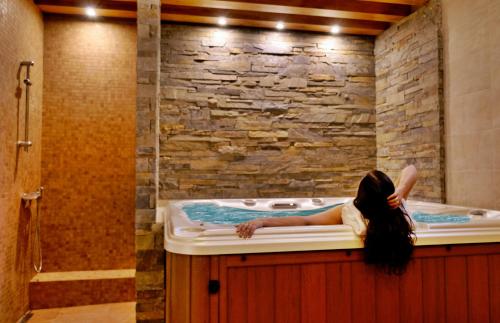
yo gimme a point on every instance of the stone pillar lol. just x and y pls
(409, 107)
(149, 234)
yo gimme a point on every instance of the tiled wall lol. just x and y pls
(408, 65)
(471, 32)
(88, 144)
(21, 38)
(252, 113)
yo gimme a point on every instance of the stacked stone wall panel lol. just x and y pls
(250, 113)
(150, 271)
(409, 107)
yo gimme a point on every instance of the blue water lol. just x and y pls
(439, 218)
(211, 212)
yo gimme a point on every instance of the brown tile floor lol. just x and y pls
(103, 313)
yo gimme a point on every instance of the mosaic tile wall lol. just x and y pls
(410, 118)
(21, 36)
(256, 113)
(81, 292)
(88, 144)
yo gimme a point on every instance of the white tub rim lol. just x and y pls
(284, 239)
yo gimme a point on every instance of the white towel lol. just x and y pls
(351, 216)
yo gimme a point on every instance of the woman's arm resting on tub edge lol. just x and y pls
(329, 217)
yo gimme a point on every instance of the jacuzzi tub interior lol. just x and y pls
(190, 226)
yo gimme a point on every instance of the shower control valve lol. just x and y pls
(32, 196)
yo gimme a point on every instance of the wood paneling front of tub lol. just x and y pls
(459, 283)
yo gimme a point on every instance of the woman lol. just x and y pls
(377, 213)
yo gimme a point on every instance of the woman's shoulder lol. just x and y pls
(353, 217)
(349, 206)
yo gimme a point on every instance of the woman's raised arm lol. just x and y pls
(406, 181)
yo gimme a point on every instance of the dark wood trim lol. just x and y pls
(287, 258)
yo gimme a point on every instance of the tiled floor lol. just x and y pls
(104, 313)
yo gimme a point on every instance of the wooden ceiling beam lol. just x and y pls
(367, 17)
(341, 5)
(265, 24)
(268, 16)
(69, 10)
(366, 10)
(405, 2)
(121, 5)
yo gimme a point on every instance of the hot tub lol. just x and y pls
(203, 237)
(315, 274)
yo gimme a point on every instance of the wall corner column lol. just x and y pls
(409, 100)
(149, 234)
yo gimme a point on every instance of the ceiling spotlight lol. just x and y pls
(335, 29)
(280, 25)
(222, 21)
(90, 11)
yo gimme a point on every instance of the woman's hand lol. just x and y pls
(407, 180)
(394, 200)
(245, 230)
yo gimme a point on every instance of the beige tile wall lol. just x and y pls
(21, 38)
(471, 34)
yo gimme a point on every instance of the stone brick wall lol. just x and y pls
(408, 67)
(150, 270)
(21, 36)
(252, 113)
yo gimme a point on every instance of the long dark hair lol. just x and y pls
(389, 234)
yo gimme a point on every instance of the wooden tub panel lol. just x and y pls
(442, 284)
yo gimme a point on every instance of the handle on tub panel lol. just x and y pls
(213, 286)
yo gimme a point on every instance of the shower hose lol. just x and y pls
(37, 246)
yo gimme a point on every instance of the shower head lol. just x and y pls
(27, 63)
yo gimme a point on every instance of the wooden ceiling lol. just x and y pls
(364, 17)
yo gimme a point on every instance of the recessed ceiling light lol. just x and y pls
(222, 21)
(90, 11)
(335, 29)
(280, 25)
